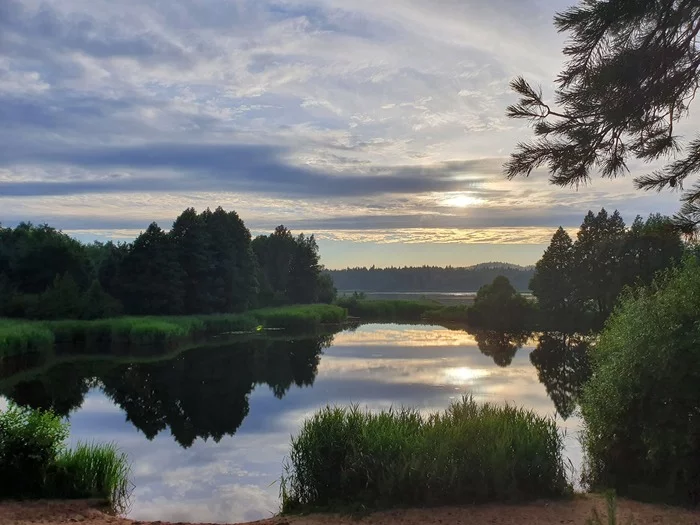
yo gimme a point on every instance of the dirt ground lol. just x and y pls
(545, 513)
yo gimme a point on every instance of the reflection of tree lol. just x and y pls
(200, 393)
(563, 367)
(500, 346)
(61, 388)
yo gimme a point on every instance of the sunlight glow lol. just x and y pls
(460, 200)
(464, 374)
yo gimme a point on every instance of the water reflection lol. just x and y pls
(563, 367)
(207, 429)
(200, 393)
(500, 346)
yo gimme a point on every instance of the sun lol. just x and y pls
(460, 200)
(463, 374)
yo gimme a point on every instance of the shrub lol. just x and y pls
(34, 462)
(345, 457)
(30, 442)
(498, 306)
(642, 425)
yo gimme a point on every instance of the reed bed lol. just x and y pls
(347, 458)
(19, 336)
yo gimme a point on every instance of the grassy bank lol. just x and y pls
(19, 336)
(346, 458)
(387, 309)
(34, 462)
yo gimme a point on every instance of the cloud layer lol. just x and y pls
(324, 114)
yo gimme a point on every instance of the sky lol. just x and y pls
(378, 126)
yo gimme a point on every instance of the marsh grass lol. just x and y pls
(19, 336)
(300, 318)
(457, 314)
(388, 309)
(91, 471)
(347, 458)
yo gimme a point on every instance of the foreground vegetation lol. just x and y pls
(346, 458)
(18, 336)
(35, 463)
(642, 433)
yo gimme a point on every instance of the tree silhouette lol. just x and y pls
(633, 71)
(553, 281)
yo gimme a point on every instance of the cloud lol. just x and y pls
(328, 114)
(248, 168)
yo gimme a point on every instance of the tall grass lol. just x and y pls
(91, 471)
(387, 309)
(18, 336)
(346, 457)
(301, 317)
(457, 314)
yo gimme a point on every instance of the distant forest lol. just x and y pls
(429, 278)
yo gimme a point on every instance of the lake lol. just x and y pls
(207, 430)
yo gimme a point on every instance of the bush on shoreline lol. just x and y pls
(642, 426)
(35, 463)
(345, 458)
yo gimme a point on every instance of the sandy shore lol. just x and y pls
(541, 513)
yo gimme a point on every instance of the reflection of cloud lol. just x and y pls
(405, 336)
(227, 503)
(377, 367)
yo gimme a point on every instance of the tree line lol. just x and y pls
(582, 279)
(577, 284)
(206, 263)
(428, 278)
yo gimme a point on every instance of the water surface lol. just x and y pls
(207, 430)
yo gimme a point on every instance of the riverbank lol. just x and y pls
(18, 336)
(575, 511)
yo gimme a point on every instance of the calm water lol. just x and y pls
(207, 430)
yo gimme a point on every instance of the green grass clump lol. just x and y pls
(457, 314)
(346, 458)
(387, 309)
(35, 463)
(301, 317)
(17, 337)
(91, 471)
